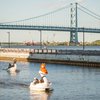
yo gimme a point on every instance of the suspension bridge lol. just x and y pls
(58, 20)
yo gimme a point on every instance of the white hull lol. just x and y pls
(40, 87)
(12, 69)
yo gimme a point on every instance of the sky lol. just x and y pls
(12, 10)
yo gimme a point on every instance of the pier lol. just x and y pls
(70, 57)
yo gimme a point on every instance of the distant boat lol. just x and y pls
(12, 67)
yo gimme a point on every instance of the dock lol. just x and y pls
(70, 57)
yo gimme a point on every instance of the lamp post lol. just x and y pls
(8, 39)
(0, 44)
(40, 39)
(83, 39)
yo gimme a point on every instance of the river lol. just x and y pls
(55, 47)
(69, 82)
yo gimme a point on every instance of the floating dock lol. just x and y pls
(69, 57)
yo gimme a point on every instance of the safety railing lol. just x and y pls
(51, 51)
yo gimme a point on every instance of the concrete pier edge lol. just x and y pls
(70, 57)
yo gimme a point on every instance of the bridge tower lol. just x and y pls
(73, 24)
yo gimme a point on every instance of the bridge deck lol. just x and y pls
(49, 28)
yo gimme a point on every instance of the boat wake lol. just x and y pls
(9, 84)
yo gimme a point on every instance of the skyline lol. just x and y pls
(13, 10)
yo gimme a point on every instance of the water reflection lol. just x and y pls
(40, 95)
(13, 73)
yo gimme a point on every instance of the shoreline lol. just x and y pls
(69, 57)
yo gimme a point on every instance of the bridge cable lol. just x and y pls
(89, 14)
(89, 11)
(57, 10)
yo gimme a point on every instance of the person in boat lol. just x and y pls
(35, 81)
(43, 72)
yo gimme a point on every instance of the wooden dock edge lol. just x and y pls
(66, 62)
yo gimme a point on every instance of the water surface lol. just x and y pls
(69, 82)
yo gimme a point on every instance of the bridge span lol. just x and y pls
(50, 28)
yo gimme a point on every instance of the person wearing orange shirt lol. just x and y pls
(43, 72)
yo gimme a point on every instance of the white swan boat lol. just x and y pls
(43, 84)
(38, 86)
(12, 67)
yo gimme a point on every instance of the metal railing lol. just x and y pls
(51, 51)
